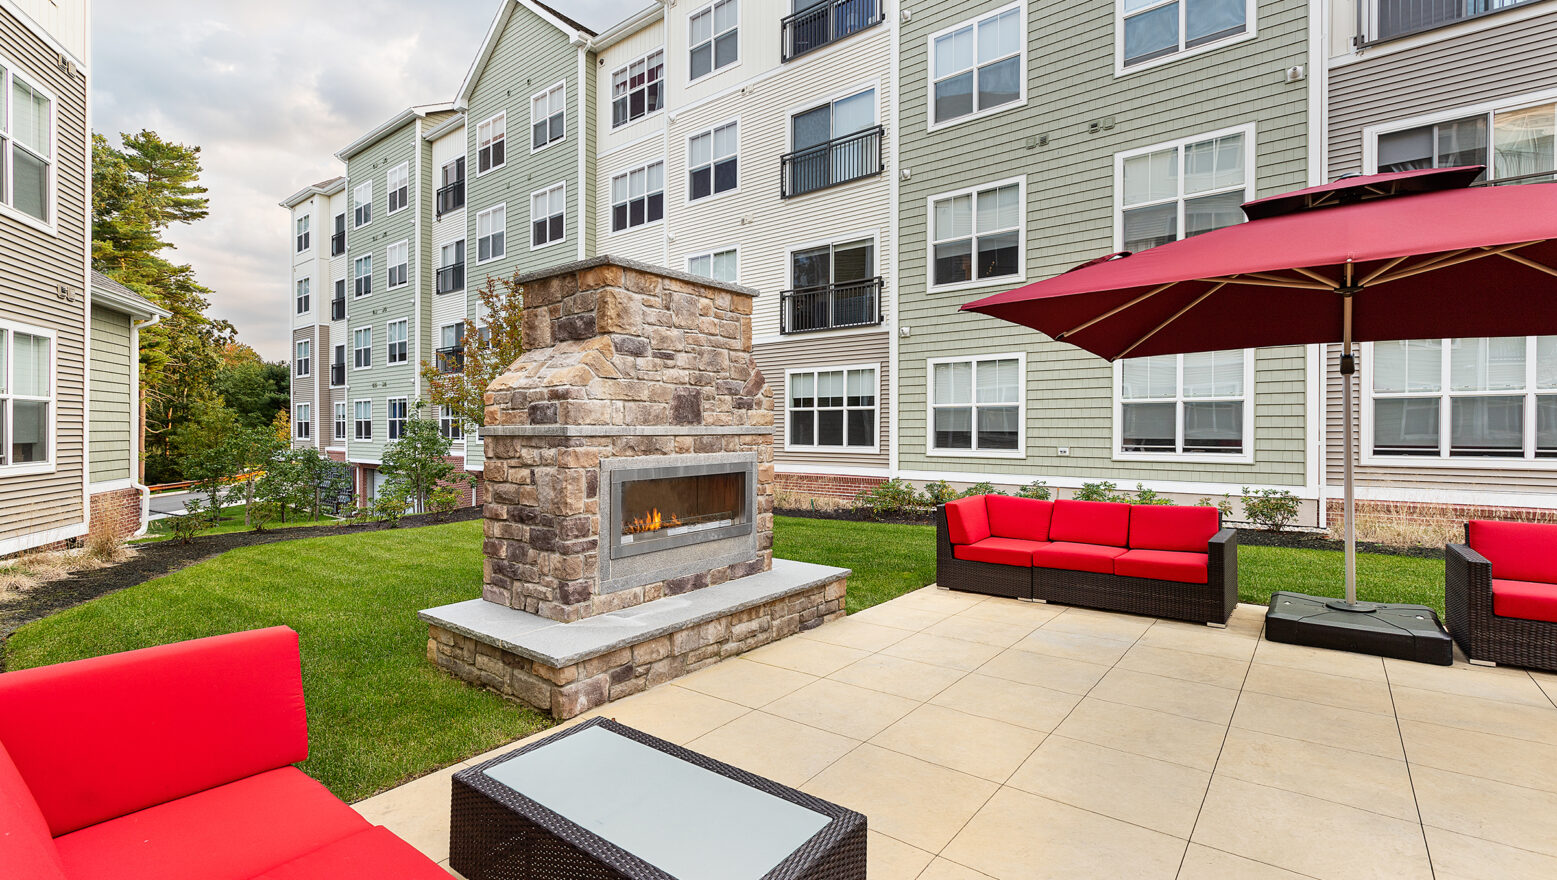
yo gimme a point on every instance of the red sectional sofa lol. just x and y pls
(1500, 591)
(175, 763)
(1159, 560)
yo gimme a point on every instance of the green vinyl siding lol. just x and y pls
(1078, 115)
(111, 451)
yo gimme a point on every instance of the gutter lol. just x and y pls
(629, 26)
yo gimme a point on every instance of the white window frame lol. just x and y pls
(304, 232)
(357, 275)
(1178, 399)
(361, 206)
(627, 69)
(686, 194)
(356, 363)
(930, 78)
(627, 175)
(51, 400)
(401, 175)
(303, 358)
(404, 325)
(342, 420)
(305, 299)
(545, 94)
(1250, 31)
(1489, 109)
(713, 39)
(488, 213)
(709, 255)
(302, 422)
(449, 421)
(498, 124)
(8, 146)
(547, 191)
(394, 268)
(1021, 238)
(357, 420)
(931, 450)
(874, 409)
(340, 349)
(390, 420)
(1250, 170)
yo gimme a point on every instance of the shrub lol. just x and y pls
(392, 503)
(1104, 491)
(194, 521)
(939, 492)
(261, 514)
(1273, 509)
(1037, 490)
(104, 545)
(442, 501)
(894, 497)
(1144, 495)
(1225, 506)
(981, 489)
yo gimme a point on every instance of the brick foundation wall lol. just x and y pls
(117, 513)
(1434, 514)
(824, 485)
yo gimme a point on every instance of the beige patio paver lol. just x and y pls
(992, 739)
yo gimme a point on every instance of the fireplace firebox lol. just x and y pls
(665, 506)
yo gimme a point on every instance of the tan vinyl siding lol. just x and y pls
(113, 420)
(822, 353)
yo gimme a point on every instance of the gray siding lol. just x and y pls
(113, 422)
(825, 352)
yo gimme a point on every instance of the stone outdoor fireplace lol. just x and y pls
(629, 523)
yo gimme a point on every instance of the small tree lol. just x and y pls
(489, 351)
(419, 460)
(292, 480)
(252, 449)
(207, 450)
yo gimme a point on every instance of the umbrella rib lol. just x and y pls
(1114, 311)
(1287, 283)
(1382, 269)
(1176, 315)
(1316, 276)
(1539, 267)
(1455, 261)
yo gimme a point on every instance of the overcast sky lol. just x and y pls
(271, 89)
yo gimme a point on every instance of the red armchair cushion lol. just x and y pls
(374, 854)
(1077, 557)
(101, 738)
(967, 520)
(26, 848)
(1517, 551)
(1187, 529)
(1526, 600)
(1163, 565)
(1090, 522)
(233, 832)
(1026, 519)
(1000, 551)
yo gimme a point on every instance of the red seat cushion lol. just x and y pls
(1090, 522)
(967, 520)
(26, 848)
(1526, 600)
(1000, 551)
(1077, 557)
(374, 854)
(233, 832)
(1023, 518)
(1517, 551)
(1163, 565)
(1164, 527)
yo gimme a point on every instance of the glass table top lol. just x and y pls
(689, 822)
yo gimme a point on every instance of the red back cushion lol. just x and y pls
(101, 738)
(1162, 527)
(26, 848)
(1517, 551)
(967, 520)
(1090, 522)
(1023, 518)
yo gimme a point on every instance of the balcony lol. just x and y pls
(337, 244)
(451, 278)
(451, 197)
(338, 308)
(848, 304)
(337, 374)
(826, 23)
(840, 160)
(451, 360)
(1398, 18)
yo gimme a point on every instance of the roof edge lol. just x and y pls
(409, 114)
(330, 188)
(628, 26)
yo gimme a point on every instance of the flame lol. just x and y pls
(652, 521)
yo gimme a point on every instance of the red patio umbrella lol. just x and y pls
(1408, 255)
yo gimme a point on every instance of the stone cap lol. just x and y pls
(636, 265)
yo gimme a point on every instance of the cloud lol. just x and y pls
(270, 90)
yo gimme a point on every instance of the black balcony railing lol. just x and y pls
(337, 244)
(451, 278)
(840, 160)
(451, 197)
(338, 374)
(338, 308)
(848, 304)
(827, 22)
(1397, 18)
(451, 360)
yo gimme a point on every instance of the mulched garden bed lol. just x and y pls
(164, 557)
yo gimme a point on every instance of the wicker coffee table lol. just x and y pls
(602, 800)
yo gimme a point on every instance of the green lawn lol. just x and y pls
(231, 521)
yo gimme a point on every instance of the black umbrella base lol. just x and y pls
(1404, 632)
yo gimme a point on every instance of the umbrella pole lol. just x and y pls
(1349, 372)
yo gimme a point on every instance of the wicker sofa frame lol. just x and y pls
(1478, 630)
(1212, 602)
(497, 833)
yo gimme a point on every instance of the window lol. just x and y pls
(398, 257)
(833, 409)
(362, 199)
(1497, 397)
(338, 367)
(714, 37)
(1183, 189)
(491, 226)
(396, 417)
(26, 396)
(338, 304)
(340, 421)
(395, 349)
(451, 348)
(978, 66)
(831, 286)
(490, 137)
(977, 234)
(26, 147)
(977, 405)
(719, 265)
(712, 159)
(451, 192)
(305, 359)
(638, 197)
(1513, 143)
(303, 232)
(450, 425)
(834, 143)
(547, 213)
(363, 276)
(1148, 29)
(399, 187)
(1192, 404)
(637, 89)
(451, 267)
(303, 297)
(364, 419)
(548, 111)
(1387, 19)
(338, 239)
(362, 348)
(304, 421)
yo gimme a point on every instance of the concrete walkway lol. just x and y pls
(989, 738)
